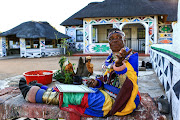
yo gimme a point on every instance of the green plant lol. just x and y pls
(61, 62)
(69, 53)
(68, 77)
(59, 76)
(63, 42)
(62, 75)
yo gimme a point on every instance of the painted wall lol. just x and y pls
(71, 31)
(166, 64)
(155, 32)
(165, 34)
(147, 22)
(2, 46)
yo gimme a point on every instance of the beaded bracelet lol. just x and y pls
(120, 68)
(121, 72)
(31, 95)
(100, 84)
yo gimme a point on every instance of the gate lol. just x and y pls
(138, 45)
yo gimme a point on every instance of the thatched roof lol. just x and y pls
(169, 7)
(126, 8)
(32, 29)
(71, 21)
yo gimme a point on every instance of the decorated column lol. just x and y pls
(22, 47)
(147, 39)
(155, 29)
(90, 34)
(86, 36)
(2, 46)
(42, 47)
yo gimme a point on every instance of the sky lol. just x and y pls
(15, 12)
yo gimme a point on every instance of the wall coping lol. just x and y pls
(171, 54)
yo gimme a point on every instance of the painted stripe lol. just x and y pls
(173, 55)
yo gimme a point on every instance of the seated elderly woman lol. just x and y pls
(116, 92)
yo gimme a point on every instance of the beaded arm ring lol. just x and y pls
(121, 69)
(99, 85)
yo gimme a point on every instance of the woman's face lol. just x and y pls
(116, 42)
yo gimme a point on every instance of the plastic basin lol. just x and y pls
(41, 76)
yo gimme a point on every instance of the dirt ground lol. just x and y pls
(17, 66)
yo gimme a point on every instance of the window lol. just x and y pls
(79, 35)
(49, 43)
(35, 43)
(32, 43)
(94, 35)
(141, 33)
(28, 43)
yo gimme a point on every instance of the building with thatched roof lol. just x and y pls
(145, 22)
(31, 39)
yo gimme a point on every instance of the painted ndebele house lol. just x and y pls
(31, 39)
(145, 22)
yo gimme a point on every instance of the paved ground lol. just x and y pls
(12, 69)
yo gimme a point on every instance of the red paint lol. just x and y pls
(165, 41)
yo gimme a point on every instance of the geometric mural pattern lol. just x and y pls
(116, 22)
(79, 46)
(168, 72)
(2, 47)
(30, 53)
(99, 48)
(165, 29)
(22, 48)
(33, 55)
(165, 33)
(165, 40)
(71, 46)
(151, 33)
(71, 31)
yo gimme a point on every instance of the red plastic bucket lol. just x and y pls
(41, 76)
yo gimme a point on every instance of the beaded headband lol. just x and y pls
(120, 32)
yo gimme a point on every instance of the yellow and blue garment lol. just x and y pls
(100, 103)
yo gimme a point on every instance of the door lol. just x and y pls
(141, 40)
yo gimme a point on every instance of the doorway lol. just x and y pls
(135, 37)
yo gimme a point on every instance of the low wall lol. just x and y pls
(13, 105)
(166, 64)
(31, 53)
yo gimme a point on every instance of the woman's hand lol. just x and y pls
(92, 83)
(122, 55)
